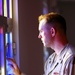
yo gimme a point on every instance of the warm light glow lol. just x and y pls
(5, 8)
(8, 8)
(2, 73)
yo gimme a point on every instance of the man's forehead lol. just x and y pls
(42, 24)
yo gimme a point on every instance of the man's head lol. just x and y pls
(49, 25)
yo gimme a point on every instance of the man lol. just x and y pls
(52, 32)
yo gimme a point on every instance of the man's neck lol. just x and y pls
(59, 47)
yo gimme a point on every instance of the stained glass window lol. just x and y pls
(7, 8)
(0, 7)
(5, 34)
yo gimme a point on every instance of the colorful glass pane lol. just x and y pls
(0, 7)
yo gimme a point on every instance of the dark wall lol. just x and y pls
(67, 10)
(31, 49)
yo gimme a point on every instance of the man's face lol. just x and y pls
(44, 33)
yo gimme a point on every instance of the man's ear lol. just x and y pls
(53, 31)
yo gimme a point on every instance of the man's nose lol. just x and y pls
(39, 36)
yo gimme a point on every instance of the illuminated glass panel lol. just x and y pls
(8, 8)
(5, 8)
(1, 7)
(9, 52)
(2, 50)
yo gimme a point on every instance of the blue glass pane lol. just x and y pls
(9, 52)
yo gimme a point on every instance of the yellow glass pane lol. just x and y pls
(5, 8)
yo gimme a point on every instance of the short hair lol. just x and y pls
(53, 18)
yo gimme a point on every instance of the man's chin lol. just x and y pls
(45, 45)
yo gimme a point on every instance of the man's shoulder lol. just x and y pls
(71, 49)
(70, 53)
